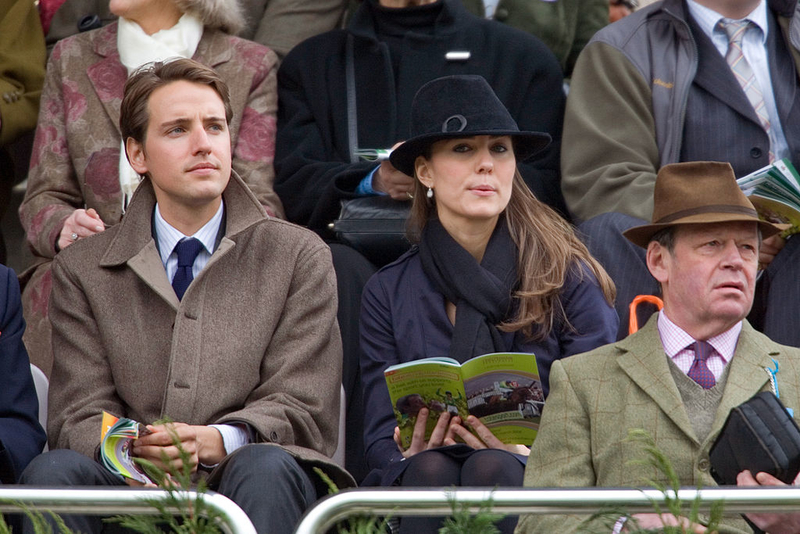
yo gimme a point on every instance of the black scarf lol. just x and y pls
(481, 293)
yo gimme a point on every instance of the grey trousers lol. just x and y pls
(266, 482)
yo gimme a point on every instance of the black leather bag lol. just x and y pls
(759, 436)
(375, 226)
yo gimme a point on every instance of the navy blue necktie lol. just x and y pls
(187, 250)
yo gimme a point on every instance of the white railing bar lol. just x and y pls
(419, 502)
(116, 501)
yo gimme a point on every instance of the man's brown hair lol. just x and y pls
(134, 116)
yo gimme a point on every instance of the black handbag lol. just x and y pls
(759, 436)
(374, 225)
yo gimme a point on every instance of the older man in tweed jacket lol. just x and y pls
(678, 377)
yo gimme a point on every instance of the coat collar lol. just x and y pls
(108, 75)
(363, 22)
(133, 243)
(644, 361)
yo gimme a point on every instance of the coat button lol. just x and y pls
(273, 436)
(756, 152)
(501, 14)
(703, 465)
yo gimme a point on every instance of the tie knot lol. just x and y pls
(734, 29)
(187, 250)
(702, 350)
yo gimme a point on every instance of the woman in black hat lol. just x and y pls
(495, 270)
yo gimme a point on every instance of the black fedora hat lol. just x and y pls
(460, 106)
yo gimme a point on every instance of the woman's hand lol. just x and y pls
(442, 433)
(484, 439)
(81, 223)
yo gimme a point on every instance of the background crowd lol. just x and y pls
(557, 115)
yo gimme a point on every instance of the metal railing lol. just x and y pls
(116, 501)
(404, 502)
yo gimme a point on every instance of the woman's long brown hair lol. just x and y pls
(548, 250)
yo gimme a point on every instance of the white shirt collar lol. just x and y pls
(708, 19)
(168, 236)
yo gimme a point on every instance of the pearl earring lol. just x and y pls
(429, 194)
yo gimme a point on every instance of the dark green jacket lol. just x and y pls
(565, 26)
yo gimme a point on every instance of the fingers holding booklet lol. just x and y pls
(493, 401)
(167, 446)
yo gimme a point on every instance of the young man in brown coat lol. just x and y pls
(200, 308)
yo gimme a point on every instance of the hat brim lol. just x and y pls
(526, 144)
(641, 235)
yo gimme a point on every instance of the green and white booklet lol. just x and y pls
(774, 190)
(503, 390)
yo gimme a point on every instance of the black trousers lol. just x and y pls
(266, 482)
(777, 291)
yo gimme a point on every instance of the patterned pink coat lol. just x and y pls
(76, 151)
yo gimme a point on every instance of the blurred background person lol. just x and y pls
(495, 270)
(565, 26)
(80, 181)
(22, 61)
(618, 9)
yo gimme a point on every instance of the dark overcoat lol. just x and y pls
(312, 159)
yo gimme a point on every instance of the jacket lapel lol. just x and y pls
(645, 362)
(108, 75)
(715, 76)
(747, 375)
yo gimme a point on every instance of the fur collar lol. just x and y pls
(225, 15)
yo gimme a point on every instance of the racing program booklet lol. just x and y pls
(503, 390)
(118, 435)
(775, 192)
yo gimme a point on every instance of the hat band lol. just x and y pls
(718, 208)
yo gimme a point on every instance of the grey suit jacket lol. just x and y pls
(596, 397)
(253, 340)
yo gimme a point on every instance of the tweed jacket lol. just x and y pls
(313, 168)
(652, 90)
(21, 435)
(565, 26)
(76, 151)
(21, 69)
(596, 397)
(253, 340)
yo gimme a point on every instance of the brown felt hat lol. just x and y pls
(697, 192)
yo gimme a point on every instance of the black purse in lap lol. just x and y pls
(759, 436)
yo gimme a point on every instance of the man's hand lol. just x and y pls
(203, 443)
(389, 180)
(776, 523)
(484, 439)
(81, 223)
(658, 522)
(769, 249)
(440, 436)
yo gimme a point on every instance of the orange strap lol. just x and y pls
(633, 320)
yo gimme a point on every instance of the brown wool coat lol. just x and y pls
(597, 396)
(254, 339)
(75, 157)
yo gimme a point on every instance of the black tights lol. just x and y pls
(485, 467)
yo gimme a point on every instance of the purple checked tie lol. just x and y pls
(699, 371)
(187, 250)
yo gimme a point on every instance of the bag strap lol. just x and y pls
(352, 111)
